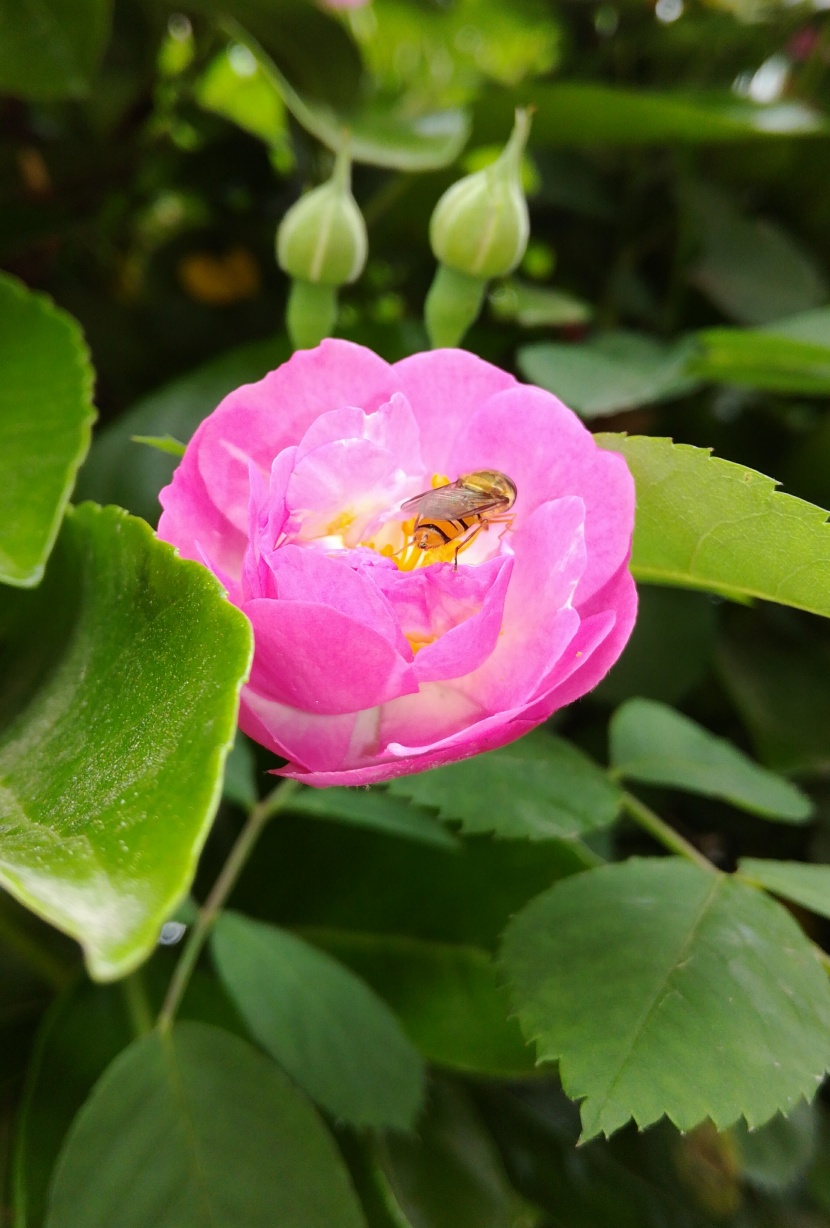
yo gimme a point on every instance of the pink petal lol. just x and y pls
(457, 615)
(545, 449)
(318, 741)
(353, 466)
(315, 658)
(255, 422)
(539, 620)
(446, 388)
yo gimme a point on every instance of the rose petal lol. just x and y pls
(531, 436)
(446, 388)
(255, 422)
(315, 658)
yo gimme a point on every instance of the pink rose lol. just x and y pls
(373, 660)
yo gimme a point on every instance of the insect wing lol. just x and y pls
(450, 502)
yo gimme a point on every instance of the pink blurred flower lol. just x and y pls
(367, 667)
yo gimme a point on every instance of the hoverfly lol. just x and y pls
(458, 511)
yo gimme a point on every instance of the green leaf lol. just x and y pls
(121, 676)
(656, 745)
(324, 1026)
(194, 1127)
(119, 472)
(804, 884)
(662, 988)
(703, 522)
(380, 134)
(451, 1174)
(584, 113)
(778, 678)
(345, 877)
(778, 1154)
(613, 372)
(749, 268)
(51, 48)
(235, 86)
(669, 649)
(764, 359)
(46, 415)
(83, 1032)
(538, 306)
(539, 788)
(376, 810)
(162, 443)
(448, 998)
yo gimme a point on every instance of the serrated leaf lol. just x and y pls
(664, 989)
(325, 1027)
(195, 1127)
(117, 471)
(46, 415)
(376, 810)
(448, 997)
(797, 881)
(50, 48)
(652, 743)
(121, 676)
(377, 135)
(708, 523)
(612, 372)
(539, 788)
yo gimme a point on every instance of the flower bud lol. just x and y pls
(322, 238)
(480, 225)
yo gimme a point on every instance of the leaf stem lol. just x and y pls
(662, 833)
(137, 1003)
(239, 854)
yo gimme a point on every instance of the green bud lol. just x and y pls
(322, 238)
(480, 225)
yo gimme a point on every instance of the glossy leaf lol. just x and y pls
(374, 809)
(655, 745)
(121, 676)
(121, 471)
(708, 523)
(51, 48)
(797, 881)
(613, 372)
(589, 113)
(46, 415)
(195, 1127)
(448, 997)
(749, 268)
(539, 788)
(662, 988)
(325, 1027)
(450, 1175)
(380, 135)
